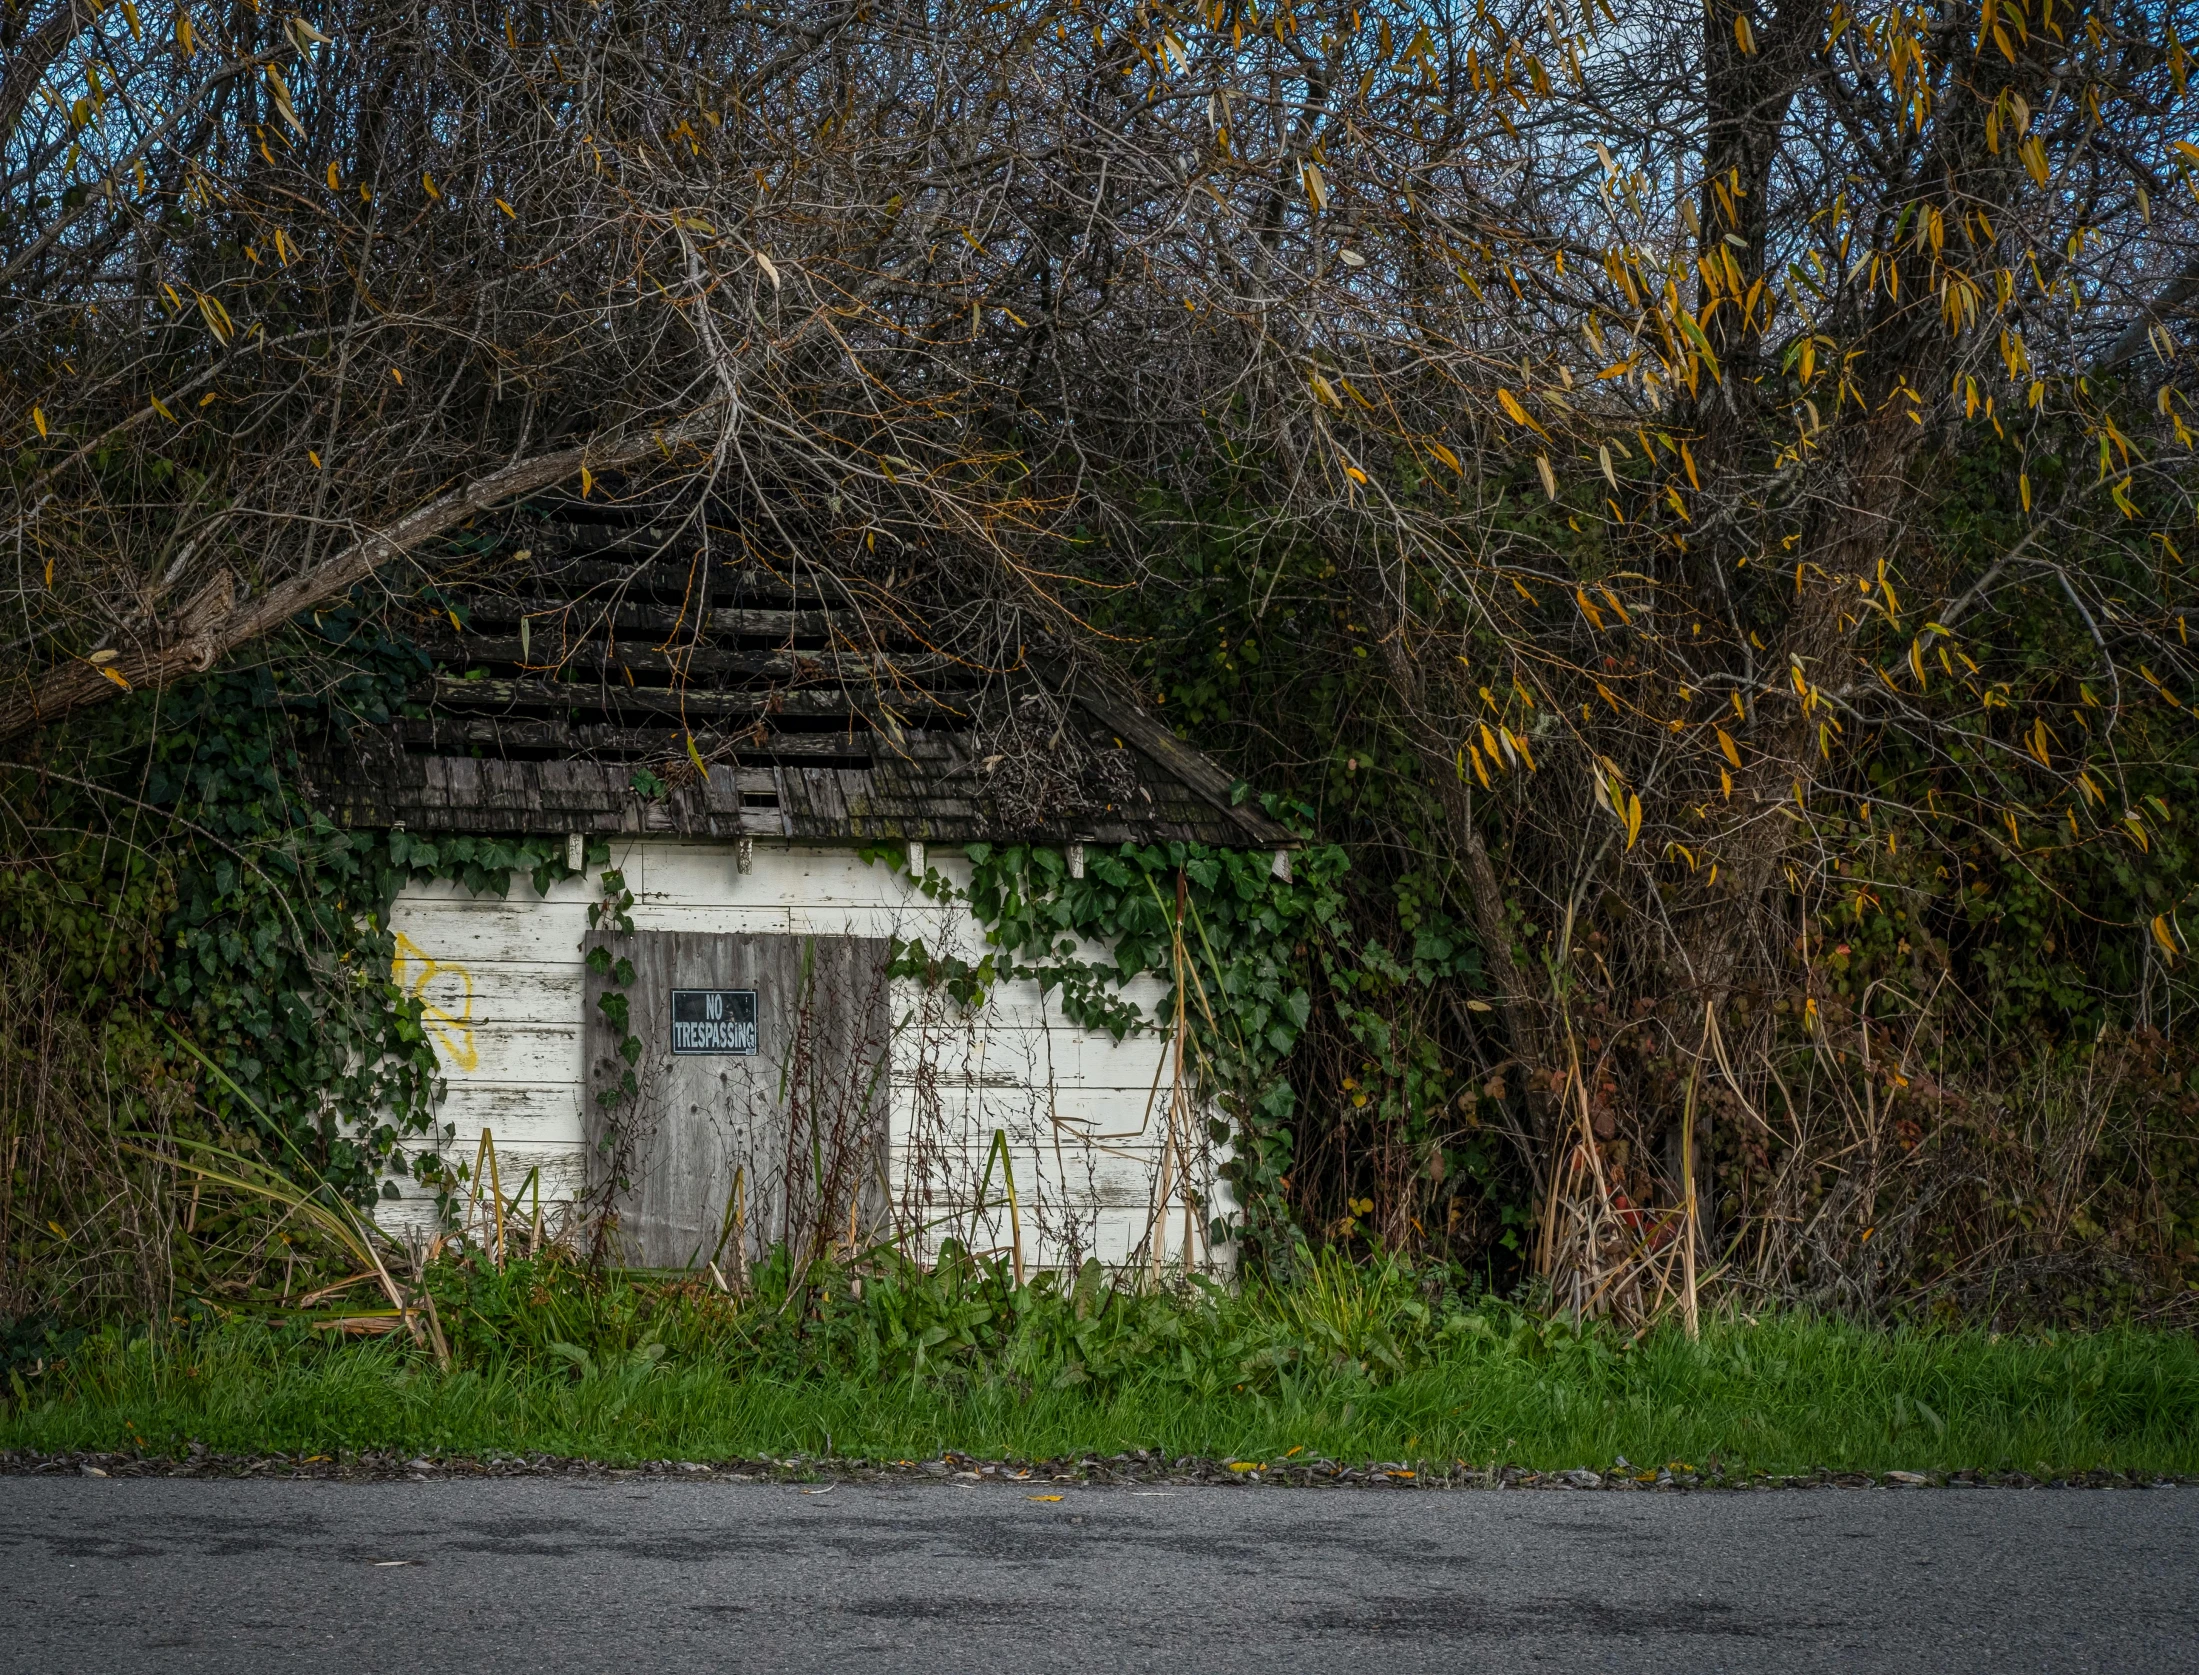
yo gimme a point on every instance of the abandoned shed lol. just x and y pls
(774, 757)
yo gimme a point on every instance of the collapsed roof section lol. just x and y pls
(606, 674)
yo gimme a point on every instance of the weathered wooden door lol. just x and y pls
(761, 1111)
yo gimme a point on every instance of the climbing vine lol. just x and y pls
(183, 868)
(1244, 940)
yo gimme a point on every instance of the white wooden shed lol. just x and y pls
(769, 761)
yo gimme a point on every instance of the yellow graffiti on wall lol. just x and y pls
(444, 990)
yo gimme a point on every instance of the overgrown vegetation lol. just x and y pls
(1242, 945)
(173, 886)
(1957, 1075)
(1352, 1363)
(1688, 501)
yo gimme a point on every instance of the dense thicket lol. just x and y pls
(1693, 496)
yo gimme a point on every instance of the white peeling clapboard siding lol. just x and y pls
(502, 984)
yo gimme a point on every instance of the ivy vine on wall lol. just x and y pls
(175, 851)
(1243, 940)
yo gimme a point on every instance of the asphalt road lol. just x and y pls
(640, 1576)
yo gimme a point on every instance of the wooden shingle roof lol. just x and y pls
(616, 676)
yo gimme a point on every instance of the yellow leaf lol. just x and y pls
(1633, 818)
(161, 407)
(2032, 151)
(38, 418)
(1726, 744)
(1549, 477)
(695, 756)
(507, 209)
(1518, 414)
(1042, 1497)
(427, 183)
(1325, 393)
(335, 182)
(280, 90)
(115, 675)
(1480, 772)
(1743, 36)
(314, 457)
(1588, 610)
(2162, 936)
(587, 481)
(1441, 452)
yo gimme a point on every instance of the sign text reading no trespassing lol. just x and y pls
(714, 1020)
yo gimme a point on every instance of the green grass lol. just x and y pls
(1786, 1397)
(1349, 1365)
